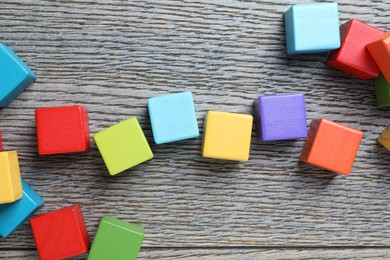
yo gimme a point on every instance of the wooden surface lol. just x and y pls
(112, 55)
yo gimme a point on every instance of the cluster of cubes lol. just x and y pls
(356, 48)
(61, 233)
(18, 200)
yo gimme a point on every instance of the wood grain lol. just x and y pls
(230, 254)
(112, 55)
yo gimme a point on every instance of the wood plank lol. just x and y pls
(248, 254)
(112, 55)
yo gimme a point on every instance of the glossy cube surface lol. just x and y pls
(13, 215)
(227, 136)
(10, 180)
(123, 146)
(62, 130)
(15, 76)
(61, 233)
(173, 117)
(331, 146)
(116, 239)
(280, 117)
(312, 28)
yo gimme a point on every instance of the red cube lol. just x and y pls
(62, 129)
(353, 57)
(61, 233)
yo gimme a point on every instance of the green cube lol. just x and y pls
(382, 89)
(116, 239)
(123, 146)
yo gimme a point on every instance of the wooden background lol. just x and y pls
(112, 55)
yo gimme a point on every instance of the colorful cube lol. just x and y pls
(380, 52)
(116, 239)
(173, 117)
(13, 215)
(15, 76)
(61, 233)
(312, 28)
(10, 180)
(331, 146)
(280, 117)
(384, 138)
(62, 130)
(382, 89)
(353, 57)
(227, 136)
(123, 146)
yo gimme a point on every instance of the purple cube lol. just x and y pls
(280, 117)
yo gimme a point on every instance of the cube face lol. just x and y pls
(380, 52)
(15, 76)
(227, 136)
(386, 133)
(60, 234)
(62, 130)
(123, 146)
(331, 146)
(116, 239)
(173, 117)
(10, 180)
(13, 215)
(280, 117)
(312, 28)
(353, 57)
(382, 90)
(384, 138)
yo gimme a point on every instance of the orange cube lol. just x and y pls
(331, 146)
(380, 52)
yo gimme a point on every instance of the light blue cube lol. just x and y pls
(173, 117)
(13, 215)
(312, 28)
(15, 76)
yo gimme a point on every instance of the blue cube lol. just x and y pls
(312, 28)
(15, 76)
(280, 117)
(173, 117)
(13, 215)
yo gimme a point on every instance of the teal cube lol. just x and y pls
(312, 28)
(13, 215)
(382, 90)
(15, 76)
(173, 117)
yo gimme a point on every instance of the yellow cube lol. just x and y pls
(384, 138)
(10, 180)
(227, 136)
